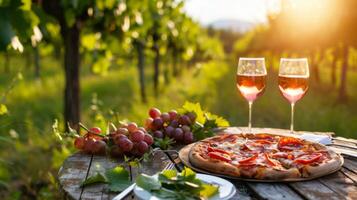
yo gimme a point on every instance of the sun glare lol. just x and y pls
(308, 20)
(310, 15)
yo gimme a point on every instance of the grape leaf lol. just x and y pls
(169, 173)
(97, 178)
(188, 174)
(167, 176)
(208, 190)
(220, 121)
(163, 143)
(196, 108)
(118, 179)
(147, 182)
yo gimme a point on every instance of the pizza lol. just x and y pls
(263, 156)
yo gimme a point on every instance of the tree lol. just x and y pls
(342, 94)
(70, 16)
(334, 66)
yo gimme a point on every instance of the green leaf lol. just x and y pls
(220, 121)
(26, 5)
(188, 174)
(208, 190)
(147, 156)
(102, 65)
(56, 130)
(89, 41)
(118, 179)
(168, 176)
(6, 30)
(3, 109)
(167, 194)
(23, 23)
(196, 108)
(147, 182)
(163, 143)
(169, 173)
(97, 178)
(70, 17)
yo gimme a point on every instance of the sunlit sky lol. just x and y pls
(208, 11)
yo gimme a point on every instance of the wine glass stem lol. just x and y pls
(250, 116)
(292, 118)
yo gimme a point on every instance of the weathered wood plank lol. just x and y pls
(156, 164)
(350, 163)
(273, 191)
(314, 190)
(243, 193)
(99, 165)
(351, 175)
(343, 151)
(344, 143)
(341, 185)
(346, 139)
(71, 174)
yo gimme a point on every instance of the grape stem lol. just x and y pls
(83, 126)
(89, 131)
(113, 126)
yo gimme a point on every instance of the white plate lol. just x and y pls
(226, 188)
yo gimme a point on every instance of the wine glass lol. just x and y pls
(293, 81)
(251, 75)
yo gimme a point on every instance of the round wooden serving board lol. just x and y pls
(184, 156)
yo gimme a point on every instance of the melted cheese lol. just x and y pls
(232, 146)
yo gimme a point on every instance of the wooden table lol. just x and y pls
(340, 185)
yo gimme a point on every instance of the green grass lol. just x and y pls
(34, 104)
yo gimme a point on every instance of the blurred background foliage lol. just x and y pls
(109, 60)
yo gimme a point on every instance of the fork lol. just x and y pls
(132, 186)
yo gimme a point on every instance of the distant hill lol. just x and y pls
(233, 25)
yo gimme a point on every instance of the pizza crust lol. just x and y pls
(211, 165)
(274, 174)
(326, 167)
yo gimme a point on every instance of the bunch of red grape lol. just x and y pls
(92, 142)
(171, 124)
(130, 139)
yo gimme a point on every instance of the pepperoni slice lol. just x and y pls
(309, 158)
(226, 137)
(263, 136)
(219, 156)
(211, 149)
(263, 141)
(249, 159)
(269, 161)
(244, 147)
(289, 143)
(282, 155)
